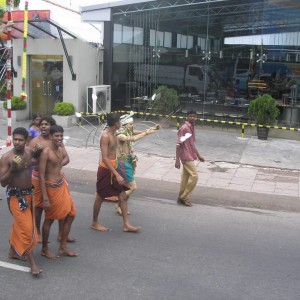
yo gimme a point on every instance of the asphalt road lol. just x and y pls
(205, 252)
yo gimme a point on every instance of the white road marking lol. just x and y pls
(14, 267)
(161, 199)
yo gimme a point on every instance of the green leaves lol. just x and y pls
(64, 109)
(263, 110)
(16, 103)
(168, 101)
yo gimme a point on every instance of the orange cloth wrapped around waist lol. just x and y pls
(23, 236)
(37, 192)
(61, 202)
(114, 163)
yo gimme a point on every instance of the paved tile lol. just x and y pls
(266, 177)
(243, 181)
(287, 186)
(222, 175)
(263, 186)
(239, 187)
(285, 192)
(244, 172)
(218, 182)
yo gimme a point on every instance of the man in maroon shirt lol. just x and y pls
(186, 152)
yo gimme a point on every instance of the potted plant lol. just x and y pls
(165, 103)
(264, 111)
(64, 113)
(168, 101)
(18, 108)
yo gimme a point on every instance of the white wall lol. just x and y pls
(85, 62)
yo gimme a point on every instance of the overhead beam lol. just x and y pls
(66, 54)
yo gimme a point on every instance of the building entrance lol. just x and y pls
(46, 82)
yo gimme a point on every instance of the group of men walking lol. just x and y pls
(35, 181)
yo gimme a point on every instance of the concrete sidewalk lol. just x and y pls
(224, 175)
(233, 163)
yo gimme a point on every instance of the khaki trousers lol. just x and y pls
(189, 178)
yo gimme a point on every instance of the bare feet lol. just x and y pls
(130, 228)
(99, 227)
(14, 255)
(35, 271)
(67, 252)
(71, 239)
(49, 255)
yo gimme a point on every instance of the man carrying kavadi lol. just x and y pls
(109, 182)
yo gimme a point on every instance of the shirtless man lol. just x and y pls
(109, 181)
(57, 201)
(16, 175)
(44, 140)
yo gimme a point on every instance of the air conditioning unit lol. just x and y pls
(98, 99)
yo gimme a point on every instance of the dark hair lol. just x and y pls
(112, 119)
(56, 128)
(21, 131)
(49, 120)
(36, 115)
(191, 112)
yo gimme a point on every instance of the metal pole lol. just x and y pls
(8, 77)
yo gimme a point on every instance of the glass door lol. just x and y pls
(46, 82)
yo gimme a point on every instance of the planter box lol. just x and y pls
(262, 133)
(16, 115)
(65, 121)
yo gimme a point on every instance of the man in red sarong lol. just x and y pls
(15, 173)
(57, 201)
(109, 181)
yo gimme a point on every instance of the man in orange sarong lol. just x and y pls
(44, 140)
(109, 181)
(57, 201)
(15, 173)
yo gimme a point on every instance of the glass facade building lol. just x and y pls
(218, 54)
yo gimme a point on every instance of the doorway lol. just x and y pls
(46, 82)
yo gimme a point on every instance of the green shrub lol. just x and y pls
(64, 109)
(263, 110)
(16, 103)
(168, 101)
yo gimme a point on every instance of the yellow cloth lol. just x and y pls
(113, 162)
